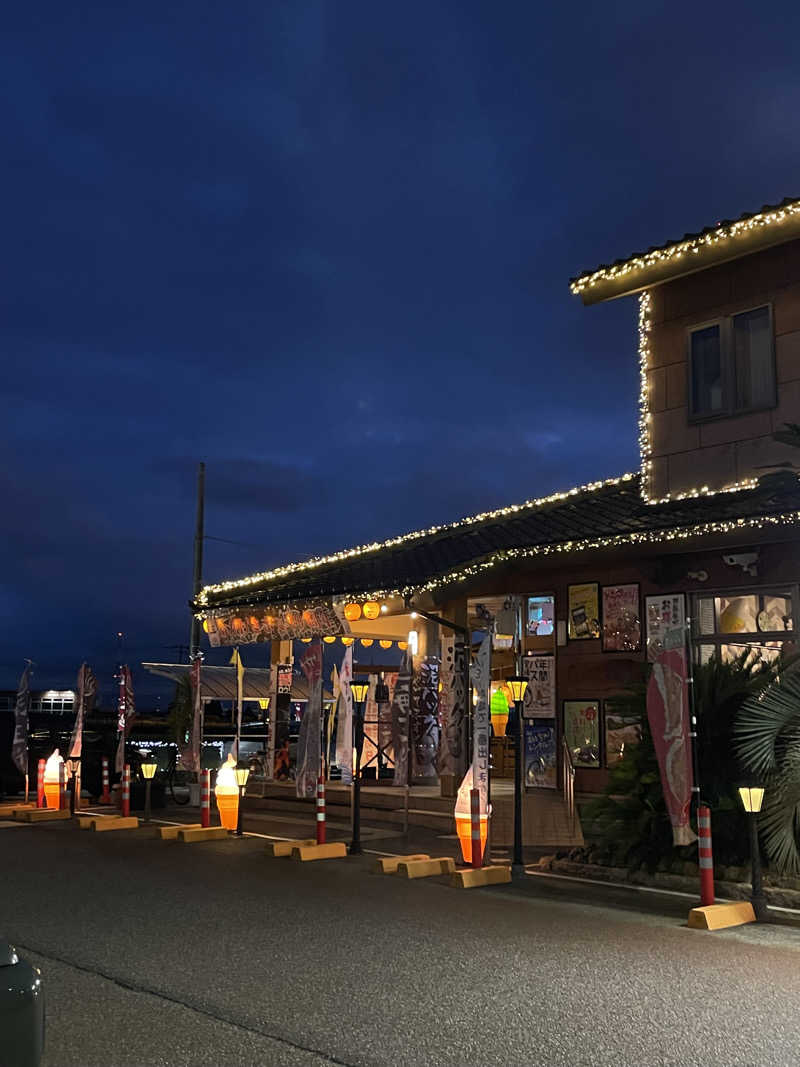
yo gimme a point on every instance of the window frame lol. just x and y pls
(718, 639)
(727, 362)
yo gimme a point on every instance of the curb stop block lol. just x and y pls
(129, 822)
(333, 851)
(192, 835)
(409, 868)
(286, 848)
(472, 878)
(40, 814)
(389, 864)
(170, 833)
(721, 916)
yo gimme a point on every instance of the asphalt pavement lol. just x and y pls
(166, 954)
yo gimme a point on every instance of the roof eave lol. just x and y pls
(710, 255)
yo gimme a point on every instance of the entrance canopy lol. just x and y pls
(219, 683)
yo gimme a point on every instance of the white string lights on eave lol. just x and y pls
(690, 246)
(344, 555)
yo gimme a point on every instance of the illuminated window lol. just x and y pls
(729, 624)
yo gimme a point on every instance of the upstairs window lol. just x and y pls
(732, 365)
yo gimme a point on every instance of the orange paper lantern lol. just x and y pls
(385, 644)
(372, 609)
(352, 612)
(367, 641)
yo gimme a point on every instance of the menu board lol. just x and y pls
(582, 731)
(622, 625)
(584, 611)
(666, 623)
(540, 755)
(540, 696)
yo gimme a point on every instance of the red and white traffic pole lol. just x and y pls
(705, 858)
(321, 809)
(126, 790)
(106, 797)
(205, 798)
(62, 787)
(475, 827)
(40, 785)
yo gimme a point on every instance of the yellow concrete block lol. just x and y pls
(85, 822)
(10, 807)
(720, 916)
(472, 878)
(389, 864)
(426, 868)
(195, 834)
(129, 822)
(286, 848)
(336, 850)
(170, 833)
(40, 814)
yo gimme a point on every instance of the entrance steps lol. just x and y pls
(545, 818)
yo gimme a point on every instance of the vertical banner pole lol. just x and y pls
(62, 787)
(126, 790)
(106, 797)
(706, 859)
(40, 784)
(321, 808)
(205, 798)
(475, 820)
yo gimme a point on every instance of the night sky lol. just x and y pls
(325, 247)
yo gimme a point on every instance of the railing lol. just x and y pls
(568, 782)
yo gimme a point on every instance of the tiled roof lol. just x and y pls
(580, 519)
(765, 216)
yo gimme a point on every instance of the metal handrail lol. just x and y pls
(568, 782)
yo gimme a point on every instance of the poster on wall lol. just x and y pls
(666, 623)
(622, 625)
(623, 734)
(582, 731)
(540, 755)
(540, 696)
(584, 611)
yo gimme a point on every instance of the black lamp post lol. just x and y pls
(752, 799)
(242, 774)
(359, 693)
(148, 773)
(517, 685)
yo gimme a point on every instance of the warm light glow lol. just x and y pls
(308, 616)
(402, 645)
(372, 609)
(226, 777)
(517, 685)
(347, 641)
(352, 612)
(149, 770)
(385, 644)
(205, 625)
(227, 793)
(263, 703)
(359, 690)
(413, 641)
(384, 609)
(242, 774)
(413, 614)
(367, 642)
(51, 767)
(238, 624)
(752, 798)
(329, 640)
(293, 617)
(254, 622)
(306, 640)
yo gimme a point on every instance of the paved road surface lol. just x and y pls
(162, 954)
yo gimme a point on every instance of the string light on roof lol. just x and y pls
(689, 246)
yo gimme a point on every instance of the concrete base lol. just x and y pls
(286, 848)
(720, 916)
(193, 835)
(170, 833)
(389, 864)
(473, 878)
(334, 851)
(108, 822)
(426, 868)
(40, 814)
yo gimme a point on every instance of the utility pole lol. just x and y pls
(197, 582)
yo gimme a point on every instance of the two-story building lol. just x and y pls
(706, 529)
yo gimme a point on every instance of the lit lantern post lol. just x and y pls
(359, 691)
(52, 779)
(518, 685)
(241, 774)
(227, 793)
(148, 773)
(752, 798)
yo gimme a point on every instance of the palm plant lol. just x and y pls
(767, 741)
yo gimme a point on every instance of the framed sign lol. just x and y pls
(623, 732)
(582, 731)
(584, 611)
(540, 696)
(540, 755)
(622, 624)
(666, 623)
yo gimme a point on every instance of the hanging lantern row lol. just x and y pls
(366, 642)
(370, 609)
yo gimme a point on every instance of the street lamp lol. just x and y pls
(752, 797)
(148, 773)
(359, 692)
(517, 685)
(242, 774)
(263, 704)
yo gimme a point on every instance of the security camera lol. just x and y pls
(748, 561)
